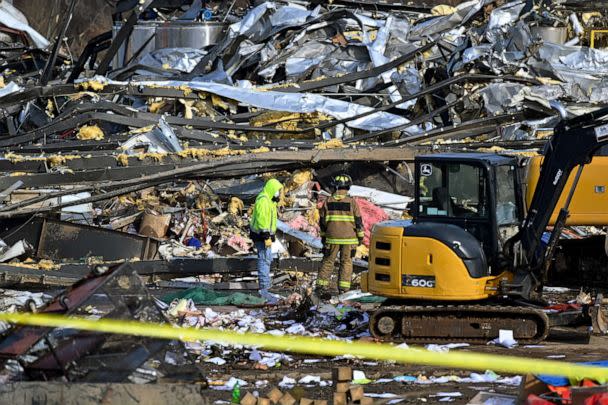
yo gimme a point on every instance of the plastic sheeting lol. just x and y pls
(381, 198)
(203, 296)
(8, 17)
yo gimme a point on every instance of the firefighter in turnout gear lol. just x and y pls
(341, 233)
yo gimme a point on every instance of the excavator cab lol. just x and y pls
(467, 206)
(479, 193)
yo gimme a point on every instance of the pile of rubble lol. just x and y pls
(172, 143)
(141, 157)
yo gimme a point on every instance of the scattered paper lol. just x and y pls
(405, 378)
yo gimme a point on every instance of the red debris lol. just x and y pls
(371, 214)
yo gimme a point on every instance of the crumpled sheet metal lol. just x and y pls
(311, 52)
(582, 67)
(161, 139)
(505, 15)
(393, 27)
(464, 12)
(10, 88)
(501, 97)
(255, 26)
(501, 19)
(7, 17)
(289, 102)
(182, 59)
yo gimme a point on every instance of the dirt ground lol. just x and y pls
(563, 344)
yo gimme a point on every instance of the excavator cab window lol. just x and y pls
(456, 190)
(507, 212)
(508, 215)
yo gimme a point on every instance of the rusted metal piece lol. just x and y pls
(118, 293)
(465, 323)
(20, 339)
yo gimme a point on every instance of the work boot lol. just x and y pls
(271, 299)
(320, 294)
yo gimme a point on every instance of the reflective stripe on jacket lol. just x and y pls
(341, 222)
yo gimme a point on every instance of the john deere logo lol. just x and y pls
(426, 170)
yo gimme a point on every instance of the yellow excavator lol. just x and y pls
(473, 260)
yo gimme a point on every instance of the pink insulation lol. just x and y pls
(300, 223)
(370, 214)
(238, 243)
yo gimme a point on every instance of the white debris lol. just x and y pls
(296, 329)
(216, 360)
(287, 382)
(261, 383)
(384, 395)
(310, 379)
(230, 384)
(504, 339)
(447, 394)
(444, 348)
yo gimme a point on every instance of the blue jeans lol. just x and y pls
(264, 262)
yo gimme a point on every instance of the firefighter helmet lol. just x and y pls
(342, 181)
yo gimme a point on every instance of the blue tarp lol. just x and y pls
(563, 381)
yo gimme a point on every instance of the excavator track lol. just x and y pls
(475, 324)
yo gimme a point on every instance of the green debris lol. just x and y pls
(204, 296)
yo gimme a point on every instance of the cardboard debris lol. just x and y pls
(154, 225)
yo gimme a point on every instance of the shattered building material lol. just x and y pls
(83, 356)
(59, 240)
(144, 149)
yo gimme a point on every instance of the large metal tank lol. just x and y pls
(556, 35)
(167, 34)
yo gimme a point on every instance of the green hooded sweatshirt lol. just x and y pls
(264, 217)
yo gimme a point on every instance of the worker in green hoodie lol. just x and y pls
(263, 226)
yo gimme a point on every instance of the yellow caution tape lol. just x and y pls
(320, 347)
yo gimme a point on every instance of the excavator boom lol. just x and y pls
(573, 144)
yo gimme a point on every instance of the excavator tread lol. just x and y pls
(440, 320)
